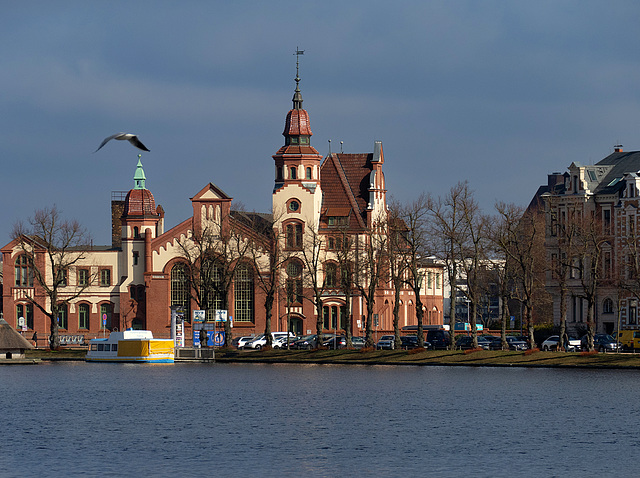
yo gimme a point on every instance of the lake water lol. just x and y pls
(75, 418)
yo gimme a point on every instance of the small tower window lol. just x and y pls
(293, 173)
(279, 173)
(135, 258)
(136, 232)
(308, 173)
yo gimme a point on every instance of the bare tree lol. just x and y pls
(371, 267)
(52, 246)
(471, 251)
(415, 216)
(268, 257)
(313, 255)
(212, 252)
(447, 229)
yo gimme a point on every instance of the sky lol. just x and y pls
(497, 93)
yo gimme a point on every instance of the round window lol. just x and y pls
(294, 205)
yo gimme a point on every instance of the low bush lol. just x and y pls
(531, 351)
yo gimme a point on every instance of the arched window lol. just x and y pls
(331, 275)
(294, 282)
(294, 173)
(63, 317)
(83, 316)
(294, 236)
(106, 310)
(607, 306)
(26, 311)
(279, 173)
(180, 289)
(243, 292)
(24, 272)
(136, 232)
(211, 292)
(308, 173)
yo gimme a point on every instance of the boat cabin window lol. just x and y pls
(114, 347)
(100, 347)
(107, 347)
(94, 346)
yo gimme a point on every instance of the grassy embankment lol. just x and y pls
(401, 357)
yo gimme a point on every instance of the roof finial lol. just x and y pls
(139, 177)
(297, 96)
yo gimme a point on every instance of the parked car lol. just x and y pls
(601, 343)
(439, 339)
(240, 342)
(309, 342)
(357, 342)
(465, 342)
(260, 341)
(281, 342)
(629, 339)
(386, 342)
(516, 343)
(551, 343)
(335, 342)
(409, 342)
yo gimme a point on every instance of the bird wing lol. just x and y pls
(106, 140)
(137, 143)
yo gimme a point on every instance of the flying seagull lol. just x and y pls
(132, 138)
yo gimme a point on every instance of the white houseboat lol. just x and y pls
(131, 346)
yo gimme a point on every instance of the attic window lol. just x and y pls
(615, 181)
(592, 175)
(338, 220)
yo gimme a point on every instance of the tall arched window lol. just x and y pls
(243, 292)
(607, 306)
(24, 272)
(63, 318)
(106, 310)
(180, 289)
(211, 288)
(308, 173)
(83, 316)
(294, 173)
(294, 282)
(294, 236)
(330, 275)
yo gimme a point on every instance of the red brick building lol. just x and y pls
(316, 203)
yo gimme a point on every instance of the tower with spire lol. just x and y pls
(297, 195)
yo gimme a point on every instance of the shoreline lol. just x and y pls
(457, 358)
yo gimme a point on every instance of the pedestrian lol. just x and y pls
(35, 339)
(203, 337)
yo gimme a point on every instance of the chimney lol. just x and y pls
(117, 208)
(617, 148)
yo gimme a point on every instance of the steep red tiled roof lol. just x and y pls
(297, 122)
(140, 202)
(345, 183)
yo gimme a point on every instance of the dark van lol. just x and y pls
(439, 339)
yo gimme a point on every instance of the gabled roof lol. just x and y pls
(211, 192)
(345, 183)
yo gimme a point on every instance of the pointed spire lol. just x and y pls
(139, 178)
(297, 96)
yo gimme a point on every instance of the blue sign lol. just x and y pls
(218, 338)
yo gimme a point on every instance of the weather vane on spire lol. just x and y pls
(297, 54)
(297, 96)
